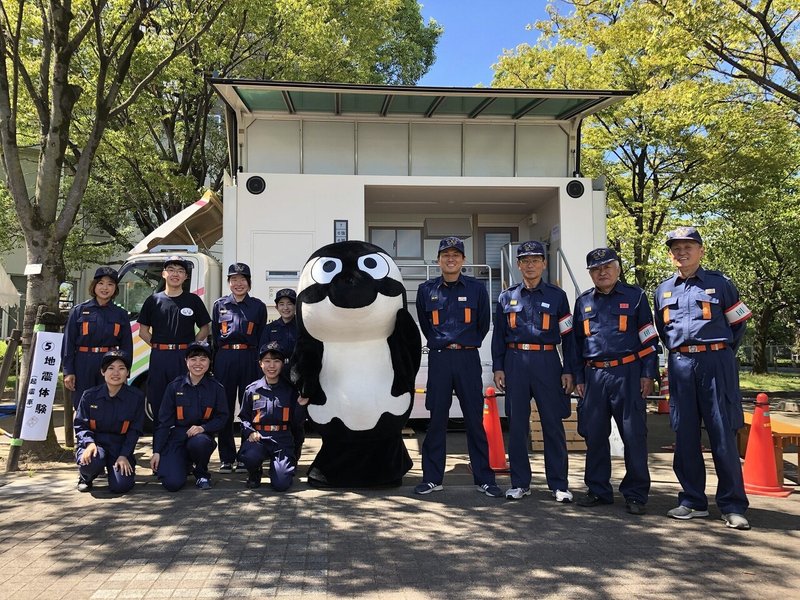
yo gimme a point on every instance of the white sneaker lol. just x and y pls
(562, 496)
(517, 493)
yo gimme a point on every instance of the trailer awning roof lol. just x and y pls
(339, 99)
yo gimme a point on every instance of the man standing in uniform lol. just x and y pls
(701, 321)
(167, 324)
(237, 322)
(532, 318)
(616, 339)
(453, 312)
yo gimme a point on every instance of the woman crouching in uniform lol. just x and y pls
(108, 423)
(192, 411)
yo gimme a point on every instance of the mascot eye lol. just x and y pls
(374, 265)
(325, 269)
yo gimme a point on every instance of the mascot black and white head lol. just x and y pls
(358, 352)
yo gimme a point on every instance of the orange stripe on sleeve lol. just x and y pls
(623, 322)
(435, 317)
(545, 322)
(285, 414)
(250, 326)
(85, 328)
(467, 314)
(92, 424)
(116, 329)
(224, 327)
(706, 310)
(512, 320)
(179, 411)
(665, 314)
(586, 331)
(207, 413)
(125, 425)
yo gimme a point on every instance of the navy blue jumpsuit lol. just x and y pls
(183, 406)
(282, 332)
(114, 424)
(529, 325)
(701, 322)
(236, 328)
(617, 341)
(454, 318)
(92, 330)
(271, 411)
(172, 320)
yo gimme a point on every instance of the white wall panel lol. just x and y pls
(382, 149)
(273, 147)
(489, 150)
(542, 151)
(328, 148)
(435, 149)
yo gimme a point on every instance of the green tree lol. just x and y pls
(68, 69)
(648, 148)
(154, 167)
(756, 40)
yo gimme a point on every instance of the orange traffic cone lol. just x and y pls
(494, 433)
(760, 474)
(663, 392)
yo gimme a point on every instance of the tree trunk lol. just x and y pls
(761, 328)
(41, 308)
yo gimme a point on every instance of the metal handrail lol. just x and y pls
(569, 271)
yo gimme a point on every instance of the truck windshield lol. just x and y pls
(138, 281)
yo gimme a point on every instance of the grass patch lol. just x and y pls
(771, 382)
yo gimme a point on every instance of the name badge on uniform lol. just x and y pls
(667, 295)
(513, 303)
(258, 404)
(179, 393)
(86, 312)
(462, 298)
(222, 311)
(545, 305)
(624, 305)
(711, 291)
(93, 406)
(434, 298)
(587, 309)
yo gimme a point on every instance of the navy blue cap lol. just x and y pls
(112, 355)
(178, 261)
(531, 248)
(106, 272)
(684, 233)
(286, 293)
(601, 256)
(452, 242)
(271, 348)
(196, 347)
(239, 269)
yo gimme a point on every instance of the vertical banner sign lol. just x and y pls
(42, 386)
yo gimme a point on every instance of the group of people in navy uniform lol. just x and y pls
(609, 347)
(608, 342)
(192, 410)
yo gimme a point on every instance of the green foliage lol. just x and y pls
(172, 142)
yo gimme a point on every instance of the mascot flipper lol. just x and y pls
(357, 355)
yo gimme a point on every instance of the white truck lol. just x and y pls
(401, 167)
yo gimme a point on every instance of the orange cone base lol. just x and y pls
(663, 407)
(503, 469)
(774, 492)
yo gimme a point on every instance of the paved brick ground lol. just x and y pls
(236, 543)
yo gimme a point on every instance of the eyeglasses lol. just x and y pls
(175, 271)
(531, 260)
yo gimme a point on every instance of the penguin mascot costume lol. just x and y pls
(357, 355)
